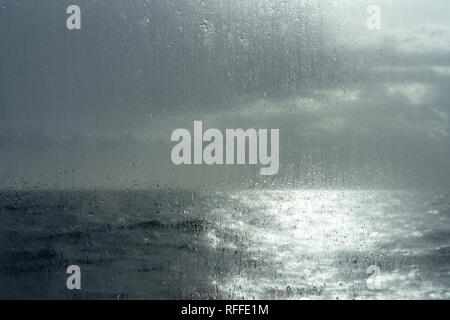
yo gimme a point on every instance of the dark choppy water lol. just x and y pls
(247, 244)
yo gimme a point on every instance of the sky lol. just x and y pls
(95, 108)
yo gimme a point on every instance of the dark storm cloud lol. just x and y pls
(162, 53)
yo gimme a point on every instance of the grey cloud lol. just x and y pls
(104, 101)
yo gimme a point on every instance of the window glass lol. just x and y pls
(184, 149)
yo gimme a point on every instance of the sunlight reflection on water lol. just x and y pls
(319, 244)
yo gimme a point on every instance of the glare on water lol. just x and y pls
(320, 243)
(261, 244)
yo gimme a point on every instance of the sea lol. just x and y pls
(238, 244)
